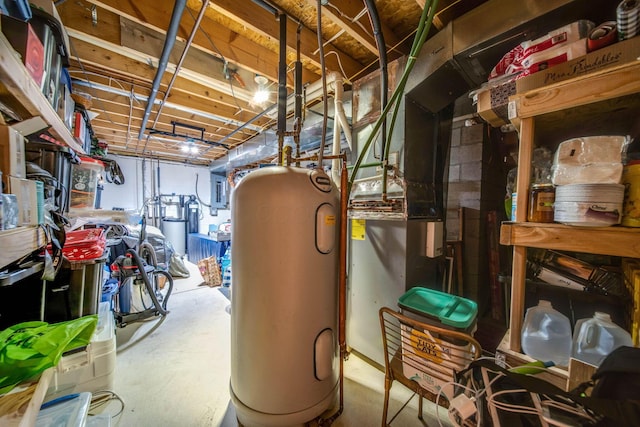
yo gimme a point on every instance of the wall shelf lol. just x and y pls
(19, 242)
(15, 79)
(618, 241)
(609, 83)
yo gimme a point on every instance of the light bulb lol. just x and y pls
(261, 96)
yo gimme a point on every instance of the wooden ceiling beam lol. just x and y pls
(264, 23)
(142, 62)
(118, 117)
(198, 109)
(120, 130)
(181, 85)
(352, 17)
(232, 46)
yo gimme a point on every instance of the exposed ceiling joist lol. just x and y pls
(116, 45)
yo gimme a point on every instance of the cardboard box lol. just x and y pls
(615, 54)
(492, 103)
(26, 191)
(432, 361)
(12, 160)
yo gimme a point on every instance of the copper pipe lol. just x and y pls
(287, 155)
(343, 258)
(280, 147)
(342, 288)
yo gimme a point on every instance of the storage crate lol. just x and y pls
(448, 312)
(84, 183)
(76, 291)
(91, 368)
(57, 160)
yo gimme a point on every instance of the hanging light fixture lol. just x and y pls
(262, 94)
(189, 147)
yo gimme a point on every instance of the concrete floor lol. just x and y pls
(174, 371)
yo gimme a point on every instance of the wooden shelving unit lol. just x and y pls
(15, 79)
(566, 109)
(20, 407)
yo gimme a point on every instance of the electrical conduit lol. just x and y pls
(170, 40)
(196, 25)
(374, 19)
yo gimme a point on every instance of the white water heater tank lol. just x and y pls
(284, 308)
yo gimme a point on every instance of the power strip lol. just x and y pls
(461, 408)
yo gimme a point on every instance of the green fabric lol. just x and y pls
(28, 348)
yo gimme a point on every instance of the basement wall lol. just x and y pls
(174, 178)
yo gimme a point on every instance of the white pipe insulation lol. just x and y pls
(339, 123)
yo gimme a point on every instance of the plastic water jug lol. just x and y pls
(546, 334)
(596, 337)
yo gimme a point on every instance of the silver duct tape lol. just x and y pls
(628, 19)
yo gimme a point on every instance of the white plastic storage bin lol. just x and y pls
(91, 369)
(70, 411)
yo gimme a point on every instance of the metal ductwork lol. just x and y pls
(461, 55)
(170, 40)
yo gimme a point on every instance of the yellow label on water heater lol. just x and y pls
(330, 220)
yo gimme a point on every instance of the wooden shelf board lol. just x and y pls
(597, 86)
(19, 242)
(19, 84)
(555, 375)
(616, 240)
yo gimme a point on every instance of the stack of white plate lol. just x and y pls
(589, 205)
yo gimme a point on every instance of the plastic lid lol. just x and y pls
(69, 411)
(544, 303)
(92, 161)
(450, 309)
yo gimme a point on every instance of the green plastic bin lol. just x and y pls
(440, 309)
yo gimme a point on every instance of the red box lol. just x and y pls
(79, 128)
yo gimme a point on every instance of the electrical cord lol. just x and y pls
(477, 393)
(198, 196)
(101, 398)
(521, 409)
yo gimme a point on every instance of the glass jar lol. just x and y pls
(541, 201)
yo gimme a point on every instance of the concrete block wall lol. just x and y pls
(475, 186)
(465, 191)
